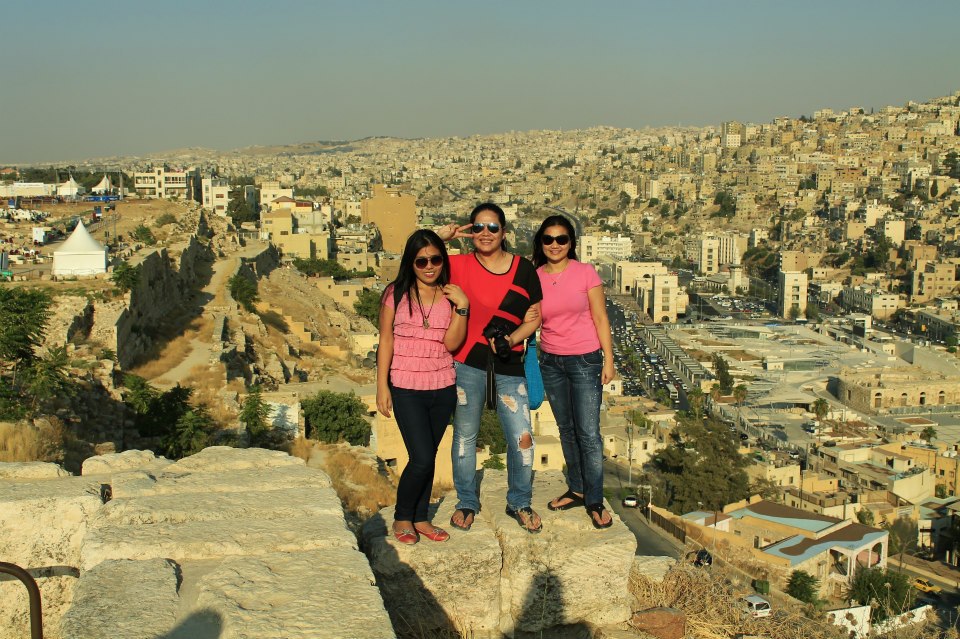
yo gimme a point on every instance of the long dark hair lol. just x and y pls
(501, 217)
(406, 282)
(539, 257)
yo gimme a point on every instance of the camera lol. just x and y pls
(497, 330)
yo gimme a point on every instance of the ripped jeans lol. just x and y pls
(514, 412)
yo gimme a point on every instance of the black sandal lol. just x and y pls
(598, 509)
(523, 516)
(467, 512)
(575, 501)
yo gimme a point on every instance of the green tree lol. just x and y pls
(722, 370)
(239, 209)
(244, 290)
(144, 235)
(48, 378)
(190, 434)
(865, 517)
(491, 433)
(254, 415)
(903, 536)
(695, 398)
(126, 277)
(803, 586)
(701, 464)
(368, 305)
(887, 592)
(928, 434)
(494, 462)
(23, 318)
(793, 313)
(155, 413)
(166, 218)
(812, 313)
(333, 417)
(821, 408)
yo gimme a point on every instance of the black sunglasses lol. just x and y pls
(493, 227)
(562, 240)
(433, 260)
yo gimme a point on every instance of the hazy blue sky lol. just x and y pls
(103, 77)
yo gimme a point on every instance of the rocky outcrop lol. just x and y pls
(226, 543)
(498, 579)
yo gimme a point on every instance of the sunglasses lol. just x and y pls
(561, 240)
(478, 227)
(433, 260)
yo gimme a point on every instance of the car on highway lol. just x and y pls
(926, 586)
(631, 501)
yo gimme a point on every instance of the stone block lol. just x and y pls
(31, 470)
(662, 623)
(569, 573)
(653, 568)
(213, 539)
(325, 594)
(220, 459)
(124, 600)
(171, 481)
(438, 586)
(125, 461)
(42, 524)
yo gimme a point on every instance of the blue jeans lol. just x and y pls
(573, 387)
(514, 412)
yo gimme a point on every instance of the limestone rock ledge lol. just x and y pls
(226, 543)
(497, 579)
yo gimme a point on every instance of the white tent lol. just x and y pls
(80, 254)
(70, 188)
(104, 186)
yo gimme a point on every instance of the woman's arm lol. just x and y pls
(385, 356)
(457, 331)
(529, 326)
(598, 310)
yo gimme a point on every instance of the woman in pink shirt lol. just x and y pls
(423, 319)
(576, 359)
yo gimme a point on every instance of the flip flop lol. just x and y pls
(598, 509)
(523, 516)
(467, 512)
(575, 501)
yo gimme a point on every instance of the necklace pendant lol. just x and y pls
(426, 323)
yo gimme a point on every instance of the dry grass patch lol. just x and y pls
(169, 353)
(23, 442)
(360, 486)
(302, 448)
(711, 602)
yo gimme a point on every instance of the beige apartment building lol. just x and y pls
(630, 276)
(165, 183)
(931, 280)
(270, 191)
(591, 248)
(215, 195)
(394, 213)
(878, 304)
(657, 296)
(793, 293)
(882, 391)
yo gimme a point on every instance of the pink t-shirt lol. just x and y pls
(568, 327)
(420, 359)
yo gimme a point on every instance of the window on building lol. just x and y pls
(544, 459)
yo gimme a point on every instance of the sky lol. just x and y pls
(104, 78)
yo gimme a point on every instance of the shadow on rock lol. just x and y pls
(414, 612)
(202, 624)
(543, 611)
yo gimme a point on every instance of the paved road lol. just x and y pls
(650, 542)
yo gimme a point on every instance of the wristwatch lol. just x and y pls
(463, 311)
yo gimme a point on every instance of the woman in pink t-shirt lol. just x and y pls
(419, 330)
(576, 359)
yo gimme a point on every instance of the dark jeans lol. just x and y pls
(573, 387)
(422, 416)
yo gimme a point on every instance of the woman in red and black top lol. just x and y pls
(501, 288)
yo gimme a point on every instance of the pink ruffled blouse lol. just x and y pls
(420, 360)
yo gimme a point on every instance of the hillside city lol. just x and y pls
(784, 296)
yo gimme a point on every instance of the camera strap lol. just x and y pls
(491, 381)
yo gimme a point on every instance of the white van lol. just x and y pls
(756, 606)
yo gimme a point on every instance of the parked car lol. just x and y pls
(631, 501)
(927, 586)
(756, 606)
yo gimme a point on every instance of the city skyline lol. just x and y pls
(100, 80)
